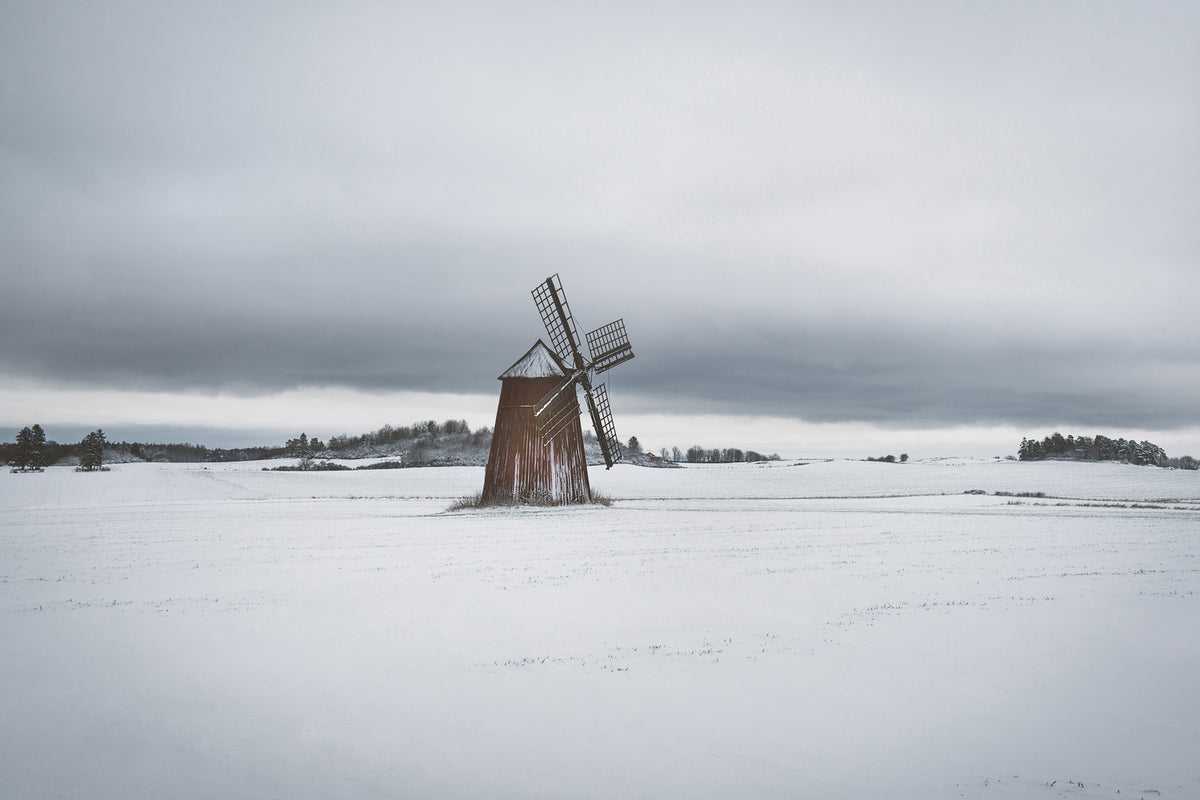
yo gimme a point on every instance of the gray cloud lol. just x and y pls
(951, 215)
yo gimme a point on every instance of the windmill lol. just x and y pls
(537, 445)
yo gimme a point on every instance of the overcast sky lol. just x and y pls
(856, 221)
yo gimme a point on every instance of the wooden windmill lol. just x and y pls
(537, 450)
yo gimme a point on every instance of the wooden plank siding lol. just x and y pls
(521, 468)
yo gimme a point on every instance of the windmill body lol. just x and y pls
(522, 467)
(537, 450)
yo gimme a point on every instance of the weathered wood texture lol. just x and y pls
(521, 467)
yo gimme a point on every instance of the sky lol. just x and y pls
(831, 229)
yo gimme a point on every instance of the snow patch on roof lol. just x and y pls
(539, 362)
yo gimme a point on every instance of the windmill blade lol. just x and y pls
(562, 411)
(546, 402)
(609, 346)
(556, 316)
(602, 424)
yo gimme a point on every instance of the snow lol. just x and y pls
(538, 362)
(824, 629)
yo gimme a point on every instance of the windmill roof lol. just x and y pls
(539, 362)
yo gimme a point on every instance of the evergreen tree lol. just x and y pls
(30, 449)
(301, 447)
(91, 451)
(24, 448)
(37, 454)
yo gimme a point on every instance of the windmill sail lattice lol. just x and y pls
(609, 346)
(606, 432)
(556, 315)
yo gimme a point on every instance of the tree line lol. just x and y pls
(716, 455)
(422, 443)
(1100, 448)
(31, 452)
(403, 434)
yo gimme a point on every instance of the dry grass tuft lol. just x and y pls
(463, 503)
(538, 499)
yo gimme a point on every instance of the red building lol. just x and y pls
(536, 459)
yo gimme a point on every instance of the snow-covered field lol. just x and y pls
(832, 629)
